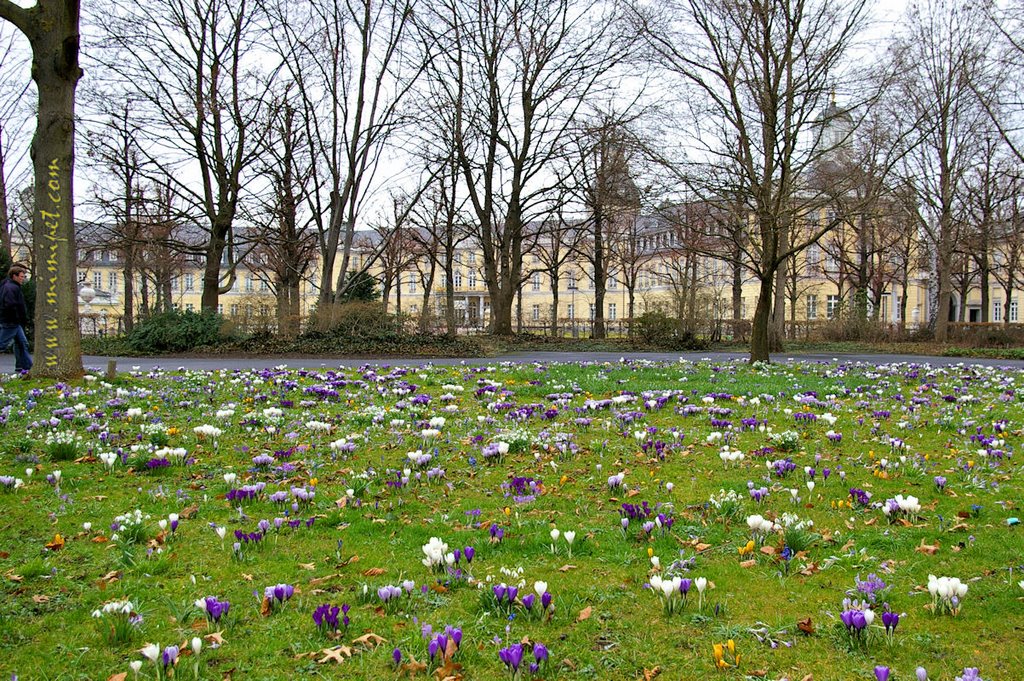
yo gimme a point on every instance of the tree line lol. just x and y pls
(231, 131)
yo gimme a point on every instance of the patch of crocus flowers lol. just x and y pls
(277, 595)
(325, 617)
(725, 655)
(947, 594)
(513, 656)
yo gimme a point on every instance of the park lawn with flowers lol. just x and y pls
(519, 521)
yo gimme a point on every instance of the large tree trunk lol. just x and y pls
(211, 271)
(128, 317)
(52, 30)
(760, 341)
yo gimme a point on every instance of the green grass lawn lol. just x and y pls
(334, 482)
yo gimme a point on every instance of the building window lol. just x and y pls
(112, 282)
(812, 259)
(412, 282)
(613, 283)
(536, 281)
(234, 309)
(458, 278)
(264, 285)
(613, 312)
(593, 312)
(174, 283)
(1013, 311)
(831, 307)
(248, 311)
(264, 311)
(190, 282)
(571, 311)
(572, 280)
(220, 308)
(536, 313)
(997, 310)
(189, 307)
(812, 307)
(472, 279)
(248, 283)
(472, 258)
(97, 280)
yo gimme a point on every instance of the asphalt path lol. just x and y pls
(217, 362)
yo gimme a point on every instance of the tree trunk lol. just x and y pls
(428, 287)
(52, 30)
(449, 297)
(128, 317)
(760, 341)
(211, 271)
(5, 227)
(554, 307)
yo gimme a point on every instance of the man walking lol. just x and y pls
(14, 317)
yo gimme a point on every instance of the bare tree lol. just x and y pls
(203, 107)
(14, 118)
(599, 182)
(515, 74)
(51, 27)
(354, 63)
(287, 246)
(439, 230)
(113, 151)
(941, 52)
(758, 77)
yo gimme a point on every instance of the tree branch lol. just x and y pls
(19, 16)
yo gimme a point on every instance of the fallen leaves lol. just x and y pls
(335, 654)
(566, 568)
(584, 614)
(216, 640)
(57, 544)
(374, 572)
(806, 626)
(370, 640)
(927, 549)
(650, 674)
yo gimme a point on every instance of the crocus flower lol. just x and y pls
(882, 673)
(169, 656)
(922, 674)
(151, 652)
(512, 656)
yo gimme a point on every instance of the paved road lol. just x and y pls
(215, 362)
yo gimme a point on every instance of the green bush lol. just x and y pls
(177, 331)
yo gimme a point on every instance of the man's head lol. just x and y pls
(17, 273)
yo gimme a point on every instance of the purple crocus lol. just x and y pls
(169, 656)
(540, 652)
(396, 656)
(882, 673)
(469, 552)
(545, 600)
(512, 656)
(890, 620)
(528, 601)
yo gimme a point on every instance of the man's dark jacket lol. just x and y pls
(12, 304)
